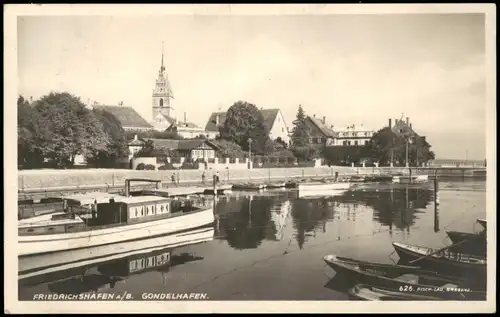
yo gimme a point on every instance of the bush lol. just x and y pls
(189, 166)
(140, 166)
(166, 166)
(150, 167)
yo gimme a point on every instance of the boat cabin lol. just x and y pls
(97, 210)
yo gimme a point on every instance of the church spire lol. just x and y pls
(162, 69)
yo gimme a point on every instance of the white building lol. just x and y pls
(274, 122)
(352, 135)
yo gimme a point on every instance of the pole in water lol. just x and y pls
(436, 191)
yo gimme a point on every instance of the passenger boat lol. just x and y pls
(396, 276)
(443, 260)
(372, 293)
(160, 254)
(249, 186)
(475, 242)
(95, 219)
(414, 179)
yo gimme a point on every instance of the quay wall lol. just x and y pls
(43, 180)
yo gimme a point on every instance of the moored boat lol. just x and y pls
(405, 276)
(275, 184)
(414, 179)
(249, 186)
(375, 293)
(475, 243)
(318, 186)
(95, 219)
(459, 264)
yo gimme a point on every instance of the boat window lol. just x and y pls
(50, 229)
(30, 230)
(162, 208)
(147, 211)
(142, 211)
(136, 211)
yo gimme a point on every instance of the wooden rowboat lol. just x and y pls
(396, 276)
(458, 264)
(373, 293)
(475, 242)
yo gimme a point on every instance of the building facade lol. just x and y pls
(274, 123)
(197, 149)
(352, 135)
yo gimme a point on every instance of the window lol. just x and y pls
(142, 211)
(147, 211)
(282, 129)
(345, 143)
(355, 142)
(162, 208)
(136, 212)
(161, 102)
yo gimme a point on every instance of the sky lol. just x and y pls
(350, 68)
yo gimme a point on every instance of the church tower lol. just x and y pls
(162, 93)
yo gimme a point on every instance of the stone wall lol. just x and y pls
(53, 179)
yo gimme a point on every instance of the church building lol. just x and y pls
(164, 116)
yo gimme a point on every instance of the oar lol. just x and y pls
(437, 251)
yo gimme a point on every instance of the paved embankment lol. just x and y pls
(33, 181)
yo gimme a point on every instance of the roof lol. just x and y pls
(180, 144)
(268, 114)
(211, 124)
(322, 127)
(184, 125)
(402, 128)
(136, 142)
(128, 117)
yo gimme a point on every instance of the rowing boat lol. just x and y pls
(372, 293)
(401, 276)
(475, 242)
(459, 264)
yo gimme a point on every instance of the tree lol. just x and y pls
(301, 131)
(245, 121)
(229, 149)
(28, 155)
(386, 146)
(67, 128)
(116, 148)
(147, 149)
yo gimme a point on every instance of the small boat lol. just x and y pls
(378, 178)
(327, 186)
(357, 179)
(310, 194)
(482, 222)
(94, 219)
(443, 260)
(372, 293)
(414, 179)
(475, 245)
(406, 276)
(249, 186)
(275, 185)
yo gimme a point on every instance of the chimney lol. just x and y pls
(324, 120)
(314, 115)
(407, 120)
(185, 117)
(217, 119)
(410, 126)
(390, 123)
(135, 137)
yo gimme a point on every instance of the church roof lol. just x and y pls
(128, 117)
(268, 114)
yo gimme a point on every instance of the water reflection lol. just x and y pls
(104, 270)
(245, 220)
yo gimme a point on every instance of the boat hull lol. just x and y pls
(383, 275)
(451, 266)
(417, 179)
(371, 293)
(38, 244)
(31, 266)
(475, 245)
(320, 193)
(324, 186)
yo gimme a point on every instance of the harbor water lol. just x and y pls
(270, 245)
